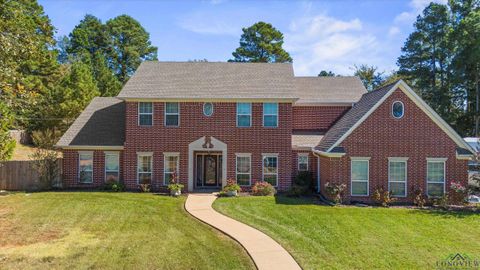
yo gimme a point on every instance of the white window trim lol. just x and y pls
(298, 161)
(139, 113)
(438, 160)
(165, 114)
(111, 153)
(264, 114)
(404, 160)
(263, 166)
(205, 103)
(250, 114)
(141, 154)
(93, 164)
(403, 109)
(367, 159)
(237, 155)
(165, 156)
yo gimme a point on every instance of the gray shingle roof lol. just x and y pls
(102, 123)
(328, 89)
(210, 80)
(352, 117)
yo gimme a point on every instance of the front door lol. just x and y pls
(211, 170)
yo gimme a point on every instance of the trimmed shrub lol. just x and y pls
(263, 188)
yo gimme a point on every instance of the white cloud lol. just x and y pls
(416, 8)
(393, 31)
(215, 25)
(326, 43)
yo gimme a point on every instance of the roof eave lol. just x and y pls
(329, 154)
(91, 147)
(176, 99)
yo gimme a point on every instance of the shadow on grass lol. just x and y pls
(456, 213)
(304, 200)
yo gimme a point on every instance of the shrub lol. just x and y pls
(383, 197)
(174, 185)
(45, 159)
(335, 191)
(304, 179)
(144, 187)
(263, 188)
(459, 193)
(296, 191)
(231, 186)
(114, 185)
(419, 200)
(442, 201)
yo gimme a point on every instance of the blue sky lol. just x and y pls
(319, 35)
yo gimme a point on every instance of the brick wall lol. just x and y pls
(381, 136)
(317, 117)
(312, 164)
(194, 125)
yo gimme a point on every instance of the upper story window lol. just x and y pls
(270, 114)
(145, 113)
(172, 114)
(208, 109)
(244, 114)
(85, 167)
(398, 109)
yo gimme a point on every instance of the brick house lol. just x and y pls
(210, 122)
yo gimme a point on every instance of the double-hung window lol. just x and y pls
(112, 167)
(303, 162)
(243, 169)
(170, 162)
(144, 168)
(85, 167)
(172, 114)
(435, 177)
(397, 176)
(244, 114)
(270, 114)
(359, 176)
(145, 113)
(270, 169)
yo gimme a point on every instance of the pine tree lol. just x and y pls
(261, 42)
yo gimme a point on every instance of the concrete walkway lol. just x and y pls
(265, 252)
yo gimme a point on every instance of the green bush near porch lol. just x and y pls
(95, 230)
(324, 237)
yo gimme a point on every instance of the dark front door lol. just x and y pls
(210, 170)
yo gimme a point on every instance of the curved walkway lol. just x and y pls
(265, 252)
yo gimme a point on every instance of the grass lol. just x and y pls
(358, 238)
(22, 152)
(94, 230)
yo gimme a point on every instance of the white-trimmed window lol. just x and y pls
(243, 169)
(172, 114)
(398, 109)
(244, 114)
(359, 176)
(436, 177)
(208, 109)
(112, 167)
(170, 166)
(397, 176)
(144, 167)
(270, 169)
(270, 114)
(85, 167)
(302, 162)
(145, 113)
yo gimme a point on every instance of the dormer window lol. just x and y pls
(398, 109)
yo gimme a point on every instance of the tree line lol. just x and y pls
(46, 82)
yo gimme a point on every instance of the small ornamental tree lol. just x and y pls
(7, 144)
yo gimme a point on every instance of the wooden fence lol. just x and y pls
(21, 175)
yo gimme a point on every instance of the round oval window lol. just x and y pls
(397, 109)
(208, 109)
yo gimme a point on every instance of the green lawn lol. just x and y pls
(93, 230)
(322, 237)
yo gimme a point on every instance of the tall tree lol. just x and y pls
(7, 144)
(130, 46)
(324, 73)
(426, 56)
(261, 42)
(90, 42)
(369, 75)
(27, 63)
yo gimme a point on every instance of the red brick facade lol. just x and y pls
(381, 136)
(317, 117)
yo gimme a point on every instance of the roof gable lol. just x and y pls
(368, 104)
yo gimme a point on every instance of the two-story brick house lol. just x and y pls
(210, 122)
